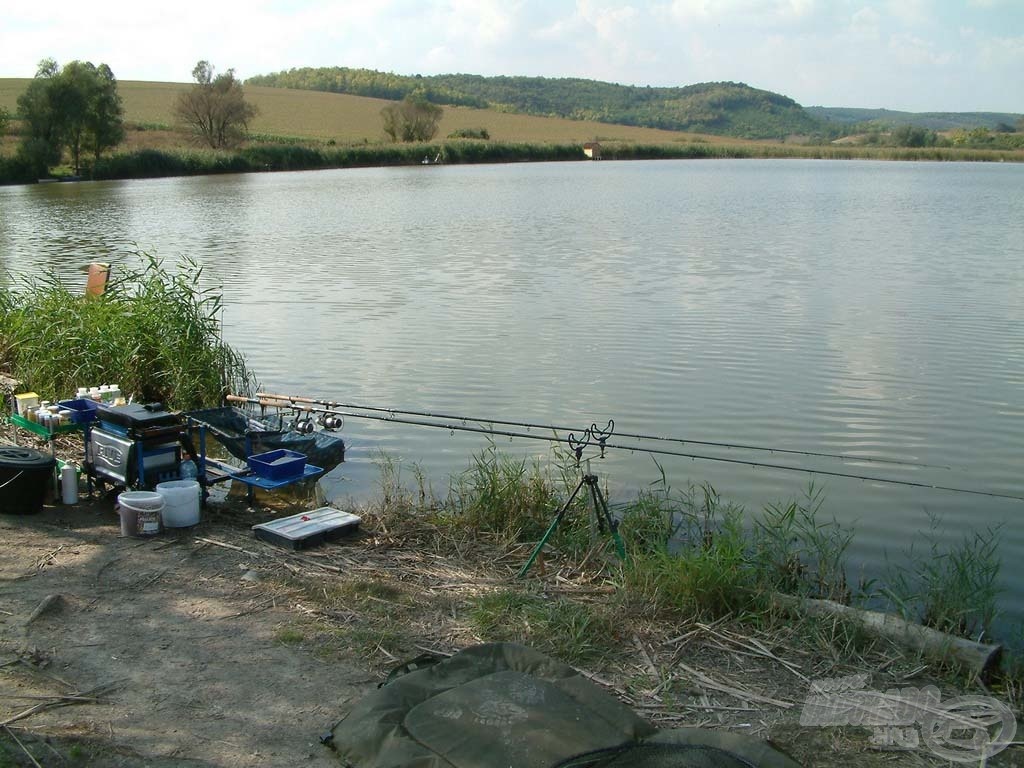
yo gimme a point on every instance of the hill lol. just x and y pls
(729, 109)
(933, 121)
(305, 114)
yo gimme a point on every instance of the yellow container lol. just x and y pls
(25, 402)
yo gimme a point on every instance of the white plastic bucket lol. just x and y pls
(181, 502)
(140, 512)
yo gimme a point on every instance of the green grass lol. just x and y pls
(951, 588)
(688, 554)
(503, 495)
(571, 631)
(155, 332)
(289, 636)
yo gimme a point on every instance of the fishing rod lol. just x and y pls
(574, 443)
(635, 436)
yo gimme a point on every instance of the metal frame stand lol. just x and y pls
(605, 521)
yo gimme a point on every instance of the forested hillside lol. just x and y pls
(729, 109)
(933, 121)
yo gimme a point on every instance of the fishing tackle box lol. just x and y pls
(307, 529)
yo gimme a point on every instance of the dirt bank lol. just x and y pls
(205, 647)
(173, 628)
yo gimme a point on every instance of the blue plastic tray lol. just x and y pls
(281, 464)
(82, 411)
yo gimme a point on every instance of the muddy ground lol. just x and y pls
(205, 647)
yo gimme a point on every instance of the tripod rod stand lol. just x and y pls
(605, 521)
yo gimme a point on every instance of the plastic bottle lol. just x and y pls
(69, 484)
(188, 470)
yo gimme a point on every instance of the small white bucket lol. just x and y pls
(181, 502)
(140, 512)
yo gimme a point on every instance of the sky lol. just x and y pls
(915, 55)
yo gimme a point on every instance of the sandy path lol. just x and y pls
(202, 680)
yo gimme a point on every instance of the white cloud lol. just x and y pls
(742, 11)
(995, 53)
(865, 23)
(911, 13)
(852, 52)
(909, 50)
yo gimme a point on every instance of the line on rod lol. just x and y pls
(555, 428)
(285, 402)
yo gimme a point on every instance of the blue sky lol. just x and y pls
(919, 55)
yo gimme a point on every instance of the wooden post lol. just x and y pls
(96, 284)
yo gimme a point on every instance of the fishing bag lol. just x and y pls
(503, 705)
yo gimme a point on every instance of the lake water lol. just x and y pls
(859, 308)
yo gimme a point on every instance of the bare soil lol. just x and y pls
(206, 647)
(185, 642)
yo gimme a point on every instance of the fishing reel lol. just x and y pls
(332, 421)
(303, 425)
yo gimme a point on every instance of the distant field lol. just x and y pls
(349, 119)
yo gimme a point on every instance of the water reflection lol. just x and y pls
(871, 309)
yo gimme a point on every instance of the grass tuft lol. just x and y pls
(572, 631)
(952, 588)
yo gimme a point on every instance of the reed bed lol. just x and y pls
(155, 332)
(289, 155)
(690, 553)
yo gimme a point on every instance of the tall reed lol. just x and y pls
(155, 331)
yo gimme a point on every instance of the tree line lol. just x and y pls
(75, 113)
(733, 109)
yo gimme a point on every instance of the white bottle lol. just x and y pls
(69, 484)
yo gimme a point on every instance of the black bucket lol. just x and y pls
(24, 476)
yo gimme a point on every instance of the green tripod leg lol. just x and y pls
(550, 530)
(604, 517)
(604, 520)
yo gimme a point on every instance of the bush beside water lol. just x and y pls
(155, 332)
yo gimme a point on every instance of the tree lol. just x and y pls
(86, 96)
(41, 138)
(413, 119)
(105, 117)
(75, 107)
(215, 109)
(5, 120)
(913, 136)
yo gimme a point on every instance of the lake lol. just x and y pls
(868, 309)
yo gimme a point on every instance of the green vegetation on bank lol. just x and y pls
(155, 331)
(729, 109)
(690, 553)
(152, 163)
(295, 130)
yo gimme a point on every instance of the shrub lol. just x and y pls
(470, 133)
(154, 331)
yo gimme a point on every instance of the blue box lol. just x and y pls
(281, 464)
(82, 411)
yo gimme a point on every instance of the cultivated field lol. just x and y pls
(349, 119)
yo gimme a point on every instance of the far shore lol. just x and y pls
(261, 157)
